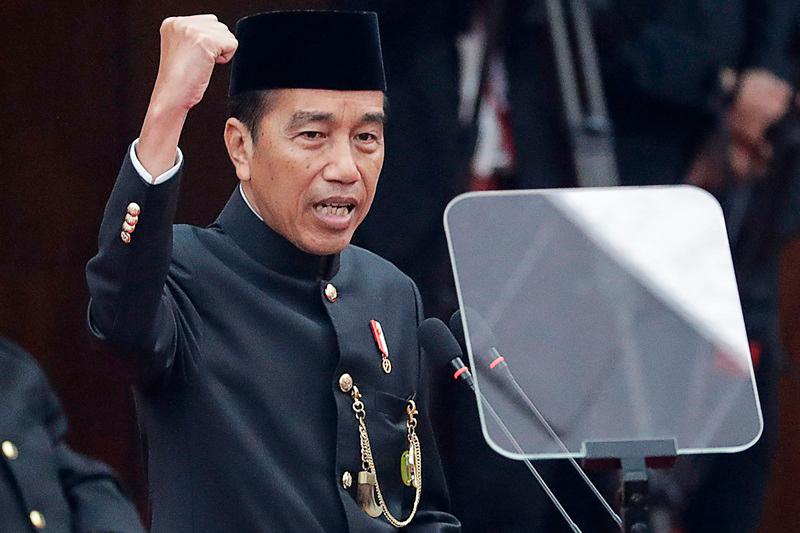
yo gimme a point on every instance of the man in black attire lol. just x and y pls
(44, 485)
(281, 384)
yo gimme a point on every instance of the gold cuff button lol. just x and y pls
(133, 209)
(345, 382)
(347, 480)
(331, 293)
(126, 237)
(9, 450)
(37, 519)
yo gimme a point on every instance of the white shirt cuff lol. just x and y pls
(146, 176)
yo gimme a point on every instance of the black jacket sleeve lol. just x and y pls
(97, 501)
(130, 306)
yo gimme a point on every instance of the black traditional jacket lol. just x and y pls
(44, 485)
(241, 345)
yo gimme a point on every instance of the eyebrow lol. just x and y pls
(374, 118)
(301, 118)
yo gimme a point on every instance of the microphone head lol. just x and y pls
(479, 333)
(458, 329)
(438, 342)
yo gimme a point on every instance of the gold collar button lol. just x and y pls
(37, 519)
(10, 450)
(331, 293)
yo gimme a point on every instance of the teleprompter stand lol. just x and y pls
(634, 457)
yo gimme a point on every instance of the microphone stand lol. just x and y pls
(468, 380)
(499, 360)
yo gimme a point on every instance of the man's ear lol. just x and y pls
(239, 143)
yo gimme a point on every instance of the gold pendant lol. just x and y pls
(366, 494)
(387, 366)
(405, 469)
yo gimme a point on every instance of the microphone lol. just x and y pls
(439, 343)
(480, 334)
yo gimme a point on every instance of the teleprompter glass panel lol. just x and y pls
(616, 314)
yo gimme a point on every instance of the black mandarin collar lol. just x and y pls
(268, 247)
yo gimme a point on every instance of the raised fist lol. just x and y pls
(190, 47)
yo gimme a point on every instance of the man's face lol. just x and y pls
(315, 165)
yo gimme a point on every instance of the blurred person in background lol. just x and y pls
(696, 93)
(751, 163)
(44, 485)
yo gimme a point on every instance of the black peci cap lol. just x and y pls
(337, 50)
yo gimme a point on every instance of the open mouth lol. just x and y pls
(339, 209)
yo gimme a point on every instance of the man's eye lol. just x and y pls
(311, 135)
(366, 137)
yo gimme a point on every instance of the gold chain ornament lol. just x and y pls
(369, 490)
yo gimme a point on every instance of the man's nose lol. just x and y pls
(342, 165)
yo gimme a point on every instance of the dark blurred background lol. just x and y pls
(75, 79)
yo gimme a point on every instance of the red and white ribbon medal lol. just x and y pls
(380, 341)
